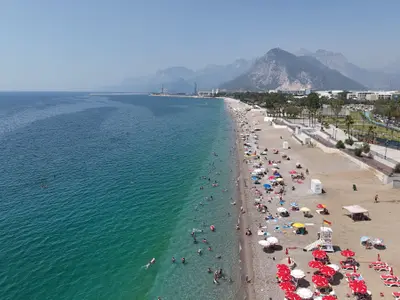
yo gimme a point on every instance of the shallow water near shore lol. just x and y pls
(93, 187)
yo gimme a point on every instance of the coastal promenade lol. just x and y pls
(337, 174)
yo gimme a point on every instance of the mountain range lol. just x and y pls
(277, 69)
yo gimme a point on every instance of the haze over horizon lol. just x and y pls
(85, 45)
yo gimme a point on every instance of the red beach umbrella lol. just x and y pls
(329, 297)
(358, 287)
(287, 286)
(319, 254)
(321, 206)
(271, 177)
(283, 272)
(282, 266)
(320, 281)
(347, 253)
(327, 271)
(284, 277)
(315, 264)
(293, 172)
(292, 296)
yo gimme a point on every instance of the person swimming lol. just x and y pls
(173, 259)
(199, 252)
(183, 260)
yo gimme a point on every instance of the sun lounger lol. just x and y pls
(348, 267)
(389, 278)
(391, 283)
(377, 263)
(382, 268)
(352, 275)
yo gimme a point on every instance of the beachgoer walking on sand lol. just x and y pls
(376, 198)
(248, 279)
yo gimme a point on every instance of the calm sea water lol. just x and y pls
(93, 187)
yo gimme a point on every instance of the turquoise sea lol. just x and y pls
(93, 187)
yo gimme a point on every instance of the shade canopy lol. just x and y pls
(328, 271)
(292, 296)
(298, 225)
(315, 264)
(264, 243)
(304, 293)
(273, 240)
(347, 253)
(287, 287)
(298, 274)
(355, 209)
(319, 254)
(320, 281)
(305, 209)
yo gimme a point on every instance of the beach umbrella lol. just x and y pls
(364, 239)
(335, 267)
(283, 271)
(329, 297)
(272, 240)
(282, 266)
(305, 209)
(281, 210)
(293, 172)
(274, 169)
(264, 243)
(287, 286)
(294, 204)
(298, 274)
(358, 287)
(284, 277)
(304, 293)
(319, 254)
(267, 186)
(320, 281)
(321, 206)
(315, 264)
(292, 296)
(347, 253)
(279, 179)
(298, 225)
(277, 175)
(271, 177)
(327, 271)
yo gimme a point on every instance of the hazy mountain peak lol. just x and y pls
(279, 69)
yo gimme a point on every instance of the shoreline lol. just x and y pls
(246, 291)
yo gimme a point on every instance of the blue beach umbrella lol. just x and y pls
(254, 177)
(267, 186)
(277, 175)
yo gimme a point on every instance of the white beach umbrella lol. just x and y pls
(274, 165)
(281, 210)
(298, 274)
(304, 293)
(264, 243)
(335, 267)
(305, 209)
(273, 240)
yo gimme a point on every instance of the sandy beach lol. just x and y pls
(337, 174)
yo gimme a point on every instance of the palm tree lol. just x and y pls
(349, 122)
(371, 132)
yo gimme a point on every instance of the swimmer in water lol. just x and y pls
(199, 252)
(183, 260)
(173, 259)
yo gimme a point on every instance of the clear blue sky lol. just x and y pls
(85, 44)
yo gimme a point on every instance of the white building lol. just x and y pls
(370, 95)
